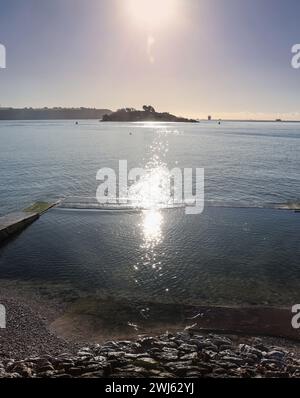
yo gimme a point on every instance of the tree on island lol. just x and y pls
(149, 109)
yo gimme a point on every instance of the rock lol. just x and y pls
(250, 350)
(135, 371)
(220, 371)
(190, 357)
(116, 355)
(261, 347)
(111, 345)
(99, 358)
(47, 374)
(76, 371)
(277, 375)
(180, 368)
(85, 354)
(207, 345)
(131, 356)
(93, 375)
(193, 375)
(62, 376)
(165, 344)
(22, 369)
(166, 375)
(115, 363)
(225, 365)
(188, 348)
(147, 342)
(234, 360)
(148, 363)
(181, 355)
(184, 336)
(271, 363)
(45, 368)
(228, 353)
(167, 356)
(278, 355)
(209, 354)
(95, 367)
(220, 340)
(85, 349)
(64, 355)
(13, 375)
(65, 365)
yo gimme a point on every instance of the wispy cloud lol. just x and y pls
(150, 44)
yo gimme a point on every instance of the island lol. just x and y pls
(56, 113)
(148, 114)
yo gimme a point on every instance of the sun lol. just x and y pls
(152, 14)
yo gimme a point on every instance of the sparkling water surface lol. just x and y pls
(223, 256)
(227, 255)
(245, 163)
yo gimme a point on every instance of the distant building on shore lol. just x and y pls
(209, 118)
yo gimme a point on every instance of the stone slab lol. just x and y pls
(15, 222)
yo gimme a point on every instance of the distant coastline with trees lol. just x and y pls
(52, 113)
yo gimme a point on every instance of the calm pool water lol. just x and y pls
(224, 256)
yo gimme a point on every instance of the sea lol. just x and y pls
(242, 249)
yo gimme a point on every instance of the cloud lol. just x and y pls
(150, 44)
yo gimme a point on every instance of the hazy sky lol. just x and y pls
(228, 58)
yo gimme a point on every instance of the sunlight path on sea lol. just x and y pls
(152, 193)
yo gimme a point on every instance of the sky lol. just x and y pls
(225, 58)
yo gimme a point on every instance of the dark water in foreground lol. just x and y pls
(223, 256)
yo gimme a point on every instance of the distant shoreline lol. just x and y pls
(122, 115)
(249, 121)
(52, 113)
(144, 121)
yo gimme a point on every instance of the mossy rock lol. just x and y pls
(39, 207)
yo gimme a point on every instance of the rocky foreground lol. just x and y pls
(184, 354)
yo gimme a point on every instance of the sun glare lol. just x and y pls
(151, 226)
(152, 14)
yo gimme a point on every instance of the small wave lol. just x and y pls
(91, 203)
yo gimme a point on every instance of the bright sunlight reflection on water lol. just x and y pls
(152, 193)
(152, 190)
(152, 236)
(152, 228)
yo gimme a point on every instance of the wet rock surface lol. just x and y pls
(182, 354)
